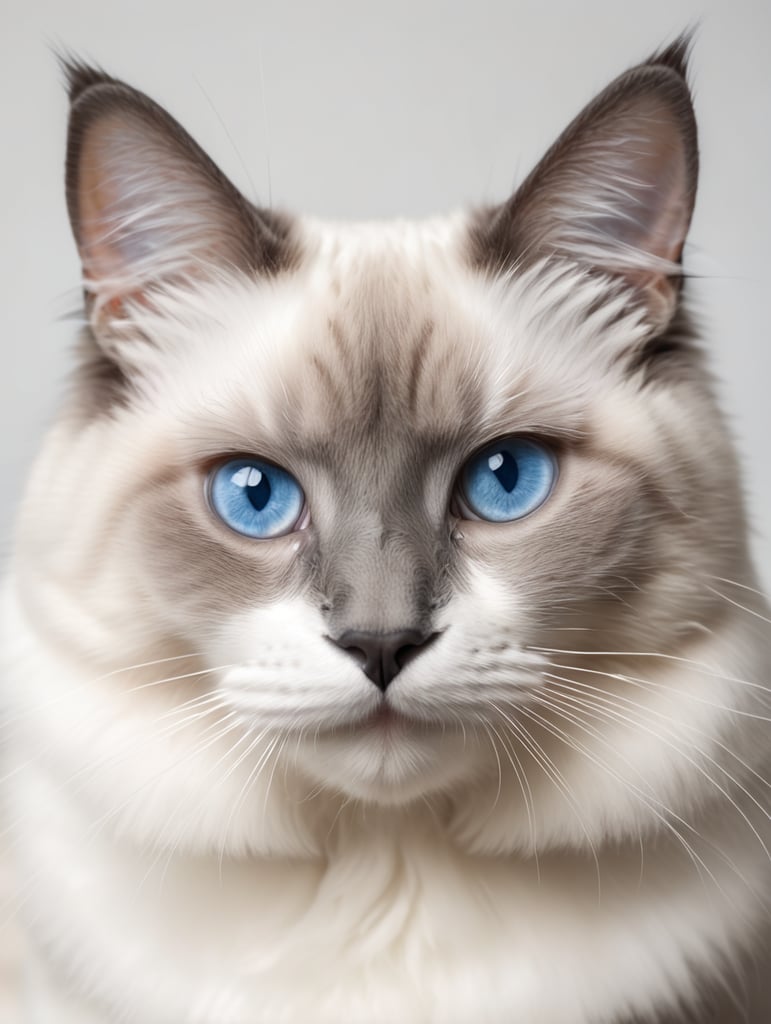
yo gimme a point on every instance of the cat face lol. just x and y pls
(378, 476)
(375, 412)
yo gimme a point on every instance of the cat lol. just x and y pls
(381, 639)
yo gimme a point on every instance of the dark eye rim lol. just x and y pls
(460, 507)
(210, 469)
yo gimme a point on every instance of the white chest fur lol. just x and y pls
(392, 925)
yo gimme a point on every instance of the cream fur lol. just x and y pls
(570, 822)
(167, 879)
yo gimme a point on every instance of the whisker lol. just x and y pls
(657, 685)
(557, 778)
(127, 751)
(707, 670)
(527, 793)
(648, 801)
(247, 786)
(743, 586)
(99, 824)
(730, 863)
(742, 607)
(573, 744)
(234, 727)
(642, 684)
(67, 694)
(611, 713)
(487, 728)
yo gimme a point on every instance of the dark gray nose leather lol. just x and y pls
(381, 656)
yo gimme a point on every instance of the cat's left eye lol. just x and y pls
(256, 499)
(505, 481)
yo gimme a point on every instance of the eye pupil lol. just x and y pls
(259, 492)
(504, 466)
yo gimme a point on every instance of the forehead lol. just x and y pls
(386, 335)
(381, 347)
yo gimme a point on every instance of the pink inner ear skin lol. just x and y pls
(148, 209)
(96, 199)
(630, 187)
(663, 190)
(105, 222)
(614, 193)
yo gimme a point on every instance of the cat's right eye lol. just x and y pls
(256, 499)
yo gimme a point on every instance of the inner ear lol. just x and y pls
(615, 192)
(147, 205)
(144, 211)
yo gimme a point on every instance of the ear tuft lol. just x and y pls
(676, 55)
(80, 76)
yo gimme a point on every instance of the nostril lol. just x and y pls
(381, 656)
(410, 651)
(357, 653)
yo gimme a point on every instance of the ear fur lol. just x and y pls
(147, 206)
(615, 192)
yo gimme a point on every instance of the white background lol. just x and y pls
(361, 110)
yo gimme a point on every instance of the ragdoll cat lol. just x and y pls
(381, 641)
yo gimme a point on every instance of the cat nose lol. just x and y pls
(382, 656)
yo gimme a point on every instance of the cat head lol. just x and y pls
(375, 475)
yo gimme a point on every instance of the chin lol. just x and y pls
(390, 760)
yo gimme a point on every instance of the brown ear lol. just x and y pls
(147, 205)
(617, 189)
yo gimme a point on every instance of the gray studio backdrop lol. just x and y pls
(369, 110)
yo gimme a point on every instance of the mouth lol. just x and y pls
(386, 719)
(385, 722)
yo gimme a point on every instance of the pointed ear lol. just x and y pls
(148, 207)
(616, 191)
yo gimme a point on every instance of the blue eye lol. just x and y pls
(506, 480)
(255, 498)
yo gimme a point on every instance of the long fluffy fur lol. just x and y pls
(573, 829)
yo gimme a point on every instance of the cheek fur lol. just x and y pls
(201, 571)
(597, 521)
(286, 674)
